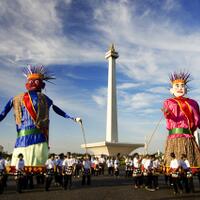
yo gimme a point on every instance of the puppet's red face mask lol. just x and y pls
(35, 85)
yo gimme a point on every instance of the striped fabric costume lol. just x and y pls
(31, 111)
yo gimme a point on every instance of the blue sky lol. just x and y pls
(70, 37)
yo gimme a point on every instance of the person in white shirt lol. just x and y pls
(116, 167)
(58, 174)
(87, 164)
(96, 166)
(50, 170)
(50, 163)
(175, 174)
(156, 171)
(20, 179)
(78, 167)
(68, 166)
(187, 176)
(7, 161)
(101, 165)
(148, 168)
(137, 173)
(110, 166)
(127, 166)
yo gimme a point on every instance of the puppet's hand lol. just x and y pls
(78, 120)
(166, 112)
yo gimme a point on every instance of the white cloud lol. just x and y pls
(159, 90)
(170, 5)
(35, 35)
(149, 47)
(100, 97)
(128, 86)
(139, 101)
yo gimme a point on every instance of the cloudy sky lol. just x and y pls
(70, 37)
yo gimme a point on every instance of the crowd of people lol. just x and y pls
(62, 169)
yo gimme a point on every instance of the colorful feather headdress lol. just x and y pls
(181, 77)
(37, 72)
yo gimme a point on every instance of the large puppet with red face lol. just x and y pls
(182, 119)
(31, 111)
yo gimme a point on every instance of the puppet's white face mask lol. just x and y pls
(178, 89)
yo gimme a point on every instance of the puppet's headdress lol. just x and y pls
(37, 72)
(181, 77)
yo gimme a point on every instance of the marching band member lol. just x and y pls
(20, 167)
(110, 164)
(148, 168)
(68, 166)
(137, 173)
(175, 175)
(101, 164)
(156, 172)
(78, 167)
(50, 166)
(58, 175)
(128, 166)
(187, 176)
(87, 164)
(96, 166)
(116, 167)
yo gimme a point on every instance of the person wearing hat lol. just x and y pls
(182, 119)
(31, 111)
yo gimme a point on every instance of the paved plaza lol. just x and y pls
(102, 188)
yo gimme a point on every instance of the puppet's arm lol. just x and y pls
(6, 109)
(65, 115)
(168, 113)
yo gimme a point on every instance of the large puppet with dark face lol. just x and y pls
(36, 75)
(35, 84)
(31, 111)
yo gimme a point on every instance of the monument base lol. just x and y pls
(110, 148)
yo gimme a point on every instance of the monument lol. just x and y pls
(111, 146)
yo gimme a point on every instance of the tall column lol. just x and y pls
(111, 126)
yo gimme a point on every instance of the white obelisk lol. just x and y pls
(111, 126)
(111, 146)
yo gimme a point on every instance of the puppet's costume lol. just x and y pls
(31, 111)
(182, 119)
